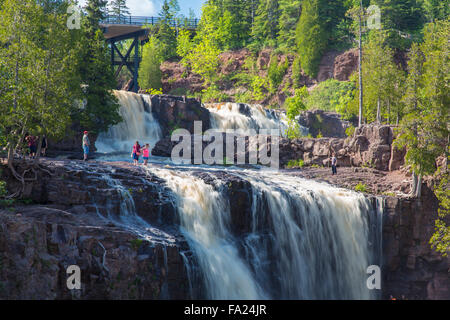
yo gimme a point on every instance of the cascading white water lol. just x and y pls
(316, 245)
(205, 221)
(247, 117)
(138, 125)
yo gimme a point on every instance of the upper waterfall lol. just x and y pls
(245, 117)
(138, 124)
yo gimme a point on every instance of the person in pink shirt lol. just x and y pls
(136, 153)
(146, 153)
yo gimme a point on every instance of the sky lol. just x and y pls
(152, 7)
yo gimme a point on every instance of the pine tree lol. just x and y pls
(166, 33)
(289, 16)
(119, 9)
(311, 36)
(266, 24)
(96, 11)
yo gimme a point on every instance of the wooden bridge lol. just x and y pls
(119, 28)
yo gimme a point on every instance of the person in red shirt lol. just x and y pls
(136, 153)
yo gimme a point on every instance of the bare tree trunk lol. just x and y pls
(389, 112)
(360, 68)
(416, 185)
(378, 111)
(418, 193)
(38, 150)
(412, 191)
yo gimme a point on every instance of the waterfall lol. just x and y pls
(247, 117)
(138, 125)
(308, 240)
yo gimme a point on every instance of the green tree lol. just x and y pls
(440, 240)
(424, 130)
(294, 105)
(311, 37)
(266, 24)
(96, 11)
(119, 9)
(289, 16)
(436, 9)
(166, 33)
(149, 71)
(38, 80)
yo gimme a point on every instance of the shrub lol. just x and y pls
(295, 163)
(331, 95)
(213, 94)
(360, 187)
(276, 72)
(350, 131)
(296, 103)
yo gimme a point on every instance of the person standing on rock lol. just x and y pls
(136, 153)
(333, 165)
(44, 146)
(146, 153)
(31, 140)
(86, 144)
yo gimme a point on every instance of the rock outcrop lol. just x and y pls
(345, 65)
(326, 124)
(179, 112)
(370, 146)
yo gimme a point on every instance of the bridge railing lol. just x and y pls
(142, 21)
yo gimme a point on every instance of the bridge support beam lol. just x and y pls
(130, 62)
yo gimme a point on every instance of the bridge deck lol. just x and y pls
(118, 26)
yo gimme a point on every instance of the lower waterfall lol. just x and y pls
(308, 240)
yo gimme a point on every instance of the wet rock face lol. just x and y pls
(412, 269)
(179, 112)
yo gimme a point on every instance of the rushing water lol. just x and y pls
(138, 125)
(307, 240)
(247, 117)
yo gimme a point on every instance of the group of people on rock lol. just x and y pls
(138, 150)
(32, 143)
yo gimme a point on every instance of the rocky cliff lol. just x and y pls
(76, 220)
